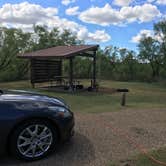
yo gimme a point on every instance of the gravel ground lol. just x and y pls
(95, 143)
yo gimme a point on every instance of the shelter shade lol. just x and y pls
(46, 64)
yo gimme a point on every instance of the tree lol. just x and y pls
(68, 38)
(13, 42)
(128, 63)
(46, 39)
(41, 37)
(112, 52)
(160, 31)
(149, 52)
(104, 69)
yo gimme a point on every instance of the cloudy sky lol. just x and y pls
(104, 22)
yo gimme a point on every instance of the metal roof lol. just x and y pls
(60, 51)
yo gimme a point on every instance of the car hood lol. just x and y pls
(20, 95)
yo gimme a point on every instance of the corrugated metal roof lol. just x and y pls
(60, 51)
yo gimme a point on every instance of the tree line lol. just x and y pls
(149, 64)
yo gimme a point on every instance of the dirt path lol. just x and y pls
(94, 143)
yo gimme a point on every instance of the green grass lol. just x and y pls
(142, 160)
(141, 96)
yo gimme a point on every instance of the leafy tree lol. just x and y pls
(13, 42)
(112, 53)
(160, 31)
(150, 52)
(112, 62)
(104, 69)
(128, 62)
(41, 35)
(47, 39)
(68, 38)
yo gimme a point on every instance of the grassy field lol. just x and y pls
(141, 96)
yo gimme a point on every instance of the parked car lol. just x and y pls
(31, 125)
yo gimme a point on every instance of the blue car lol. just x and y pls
(31, 124)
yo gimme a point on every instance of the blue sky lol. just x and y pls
(117, 22)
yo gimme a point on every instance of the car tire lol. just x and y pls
(33, 140)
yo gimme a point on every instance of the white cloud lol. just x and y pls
(161, 2)
(108, 16)
(158, 2)
(122, 2)
(25, 15)
(150, 1)
(67, 2)
(81, 31)
(144, 13)
(99, 35)
(102, 16)
(145, 33)
(72, 11)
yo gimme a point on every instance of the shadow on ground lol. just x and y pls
(78, 151)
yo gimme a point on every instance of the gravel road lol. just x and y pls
(95, 143)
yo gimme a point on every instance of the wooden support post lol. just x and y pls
(71, 73)
(94, 70)
(124, 91)
(123, 103)
(33, 85)
(32, 73)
